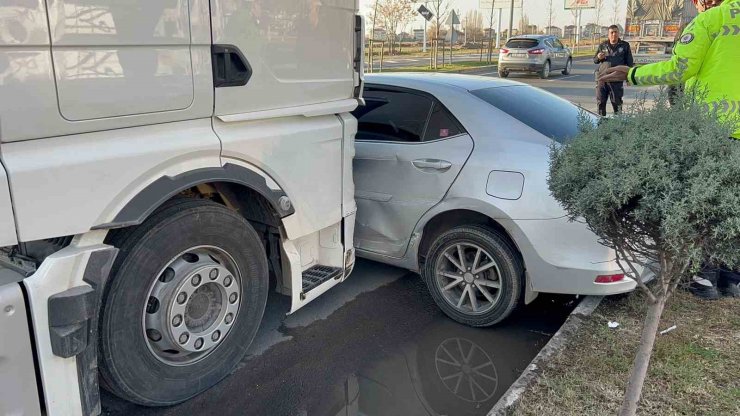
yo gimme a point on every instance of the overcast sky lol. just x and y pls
(536, 10)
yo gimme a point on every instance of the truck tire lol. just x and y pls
(183, 302)
(485, 287)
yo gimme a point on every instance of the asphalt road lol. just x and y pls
(376, 345)
(578, 87)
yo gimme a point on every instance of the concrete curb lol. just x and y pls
(556, 344)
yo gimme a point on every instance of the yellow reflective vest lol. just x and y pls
(707, 55)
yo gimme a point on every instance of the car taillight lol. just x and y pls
(504, 50)
(536, 51)
(609, 278)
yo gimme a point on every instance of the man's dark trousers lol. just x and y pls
(613, 91)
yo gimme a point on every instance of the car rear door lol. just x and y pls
(409, 150)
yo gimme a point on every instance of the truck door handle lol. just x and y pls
(230, 67)
(434, 164)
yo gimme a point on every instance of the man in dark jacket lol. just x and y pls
(612, 52)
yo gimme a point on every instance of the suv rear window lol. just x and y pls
(522, 43)
(549, 114)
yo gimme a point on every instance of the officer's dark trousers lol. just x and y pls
(613, 91)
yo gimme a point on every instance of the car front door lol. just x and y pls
(409, 150)
(562, 52)
(555, 55)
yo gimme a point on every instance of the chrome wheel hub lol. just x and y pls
(192, 305)
(468, 278)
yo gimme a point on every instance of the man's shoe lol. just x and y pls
(704, 285)
(729, 284)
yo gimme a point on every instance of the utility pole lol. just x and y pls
(424, 47)
(490, 36)
(511, 18)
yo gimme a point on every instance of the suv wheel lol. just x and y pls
(568, 67)
(474, 275)
(545, 72)
(503, 73)
(184, 301)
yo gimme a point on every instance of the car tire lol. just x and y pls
(503, 74)
(568, 67)
(545, 71)
(495, 291)
(153, 283)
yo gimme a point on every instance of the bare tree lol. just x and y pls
(597, 18)
(524, 24)
(391, 15)
(440, 8)
(631, 8)
(550, 15)
(615, 10)
(473, 24)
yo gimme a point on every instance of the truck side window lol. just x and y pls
(393, 116)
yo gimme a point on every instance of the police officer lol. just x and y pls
(706, 56)
(612, 52)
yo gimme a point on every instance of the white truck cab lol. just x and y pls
(165, 163)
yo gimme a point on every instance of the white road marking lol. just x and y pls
(562, 78)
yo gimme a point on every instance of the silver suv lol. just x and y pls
(534, 54)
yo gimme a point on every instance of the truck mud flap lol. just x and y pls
(73, 326)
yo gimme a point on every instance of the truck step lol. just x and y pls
(317, 275)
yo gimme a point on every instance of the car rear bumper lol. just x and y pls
(521, 66)
(565, 257)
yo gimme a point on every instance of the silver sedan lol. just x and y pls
(451, 181)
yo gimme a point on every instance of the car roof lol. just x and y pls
(428, 81)
(531, 37)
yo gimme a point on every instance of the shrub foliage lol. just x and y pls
(656, 182)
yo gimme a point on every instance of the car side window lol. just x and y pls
(548, 43)
(558, 44)
(394, 116)
(441, 124)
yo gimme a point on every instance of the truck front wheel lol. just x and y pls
(183, 302)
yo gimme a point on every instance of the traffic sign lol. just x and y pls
(454, 19)
(580, 4)
(426, 13)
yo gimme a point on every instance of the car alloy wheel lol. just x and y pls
(474, 275)
(468, 278)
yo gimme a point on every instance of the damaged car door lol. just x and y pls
(409, 150)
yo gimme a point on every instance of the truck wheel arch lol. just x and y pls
(165, 188)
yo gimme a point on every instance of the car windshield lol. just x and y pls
(549, 114)
(522, 43)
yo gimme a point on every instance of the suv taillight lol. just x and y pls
(537, 51)
(504, 50)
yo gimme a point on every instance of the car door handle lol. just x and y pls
(435, 164)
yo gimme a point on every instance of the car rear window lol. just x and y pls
(522, 43)
(549, 114)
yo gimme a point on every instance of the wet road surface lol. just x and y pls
(375, 345)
